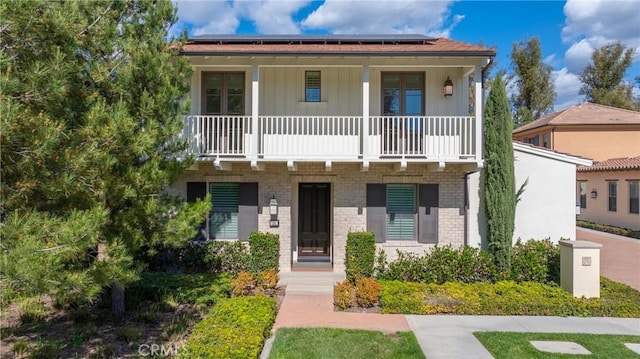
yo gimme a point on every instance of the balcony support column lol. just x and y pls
(477, 78)
(255, 104)
(365, 116)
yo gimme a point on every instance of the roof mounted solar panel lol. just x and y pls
(312, 39)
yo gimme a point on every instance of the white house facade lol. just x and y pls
(311, 137)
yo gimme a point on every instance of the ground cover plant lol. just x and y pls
(163, 308)
(320, 343)
(609, 229)
(517, 345)
(506, 298)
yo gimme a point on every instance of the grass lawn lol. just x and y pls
(309, 343)
(516, 345)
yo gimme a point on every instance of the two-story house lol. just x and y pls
(606, 193)
(311, 137)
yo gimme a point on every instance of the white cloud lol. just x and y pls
(382, 17)
(550, 60)
(272, 16)
(207, 17)
(567, 86)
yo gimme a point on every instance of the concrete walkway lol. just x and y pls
(619, 256)
(451, 336)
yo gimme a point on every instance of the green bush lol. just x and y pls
(536, 261)
(229, 257)
(506, 298)
(202, 289)
(441, 264)
(361, 252)
(235, 328)
(265, 251)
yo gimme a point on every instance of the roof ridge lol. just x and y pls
(610, 107)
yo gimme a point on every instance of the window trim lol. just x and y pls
(306, 86)
(614, 197)
(224, 103)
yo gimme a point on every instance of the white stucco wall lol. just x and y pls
(547, 206)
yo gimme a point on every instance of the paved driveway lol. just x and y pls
(619, 256)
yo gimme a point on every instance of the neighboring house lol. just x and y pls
(609, 191)
(546, 208)
(589, 130)
(311, 137)
(602, 133)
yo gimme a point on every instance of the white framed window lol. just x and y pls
(582, 193)
(634, 197)
(613, 195)
(223, 219)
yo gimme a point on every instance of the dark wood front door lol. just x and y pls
(313, 222)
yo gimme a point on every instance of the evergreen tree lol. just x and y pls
(91, 118)
(602, 79)
(499, 185)
(535, 93)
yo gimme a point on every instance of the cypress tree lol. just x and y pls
(91, 117)
(499, 186)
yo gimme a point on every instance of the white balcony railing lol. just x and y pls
(333, 137)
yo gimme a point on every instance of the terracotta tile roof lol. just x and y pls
(435, 47)
(585, 114)
(614, 164)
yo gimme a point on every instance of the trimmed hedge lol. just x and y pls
(506, 298)
(204, 289)
(265, 251)
(609, 229)
(536, 261)
(441, 264)
(235, 328)
(216, 257)
(360, 255)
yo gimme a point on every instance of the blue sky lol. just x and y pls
(568, 31)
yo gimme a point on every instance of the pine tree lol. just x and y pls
(499, 186)
(602, 79)
(535, 93)
(91, 117)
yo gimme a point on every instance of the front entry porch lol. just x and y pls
(313, 248)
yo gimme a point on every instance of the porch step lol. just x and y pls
(310, 282)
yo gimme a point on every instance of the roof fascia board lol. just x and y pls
(552, 155)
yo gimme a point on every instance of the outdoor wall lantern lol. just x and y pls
(594, 193)
(273, 211)
(448, 87)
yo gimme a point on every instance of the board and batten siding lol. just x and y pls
(282, 90)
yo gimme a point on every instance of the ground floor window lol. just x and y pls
(401, 211)
(223, 219)
(582, 193)
(634, 197)
(613, 195)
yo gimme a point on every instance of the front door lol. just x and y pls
(314, 220)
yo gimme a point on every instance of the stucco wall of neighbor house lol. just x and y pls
(282, 93)
(598, 145)
(348, 200)
(546, 208)
(598, 208)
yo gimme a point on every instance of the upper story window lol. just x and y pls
(403, 93)
(634, 197)
(545, 140)
(223, 93)
(312, 86)
(613, 195)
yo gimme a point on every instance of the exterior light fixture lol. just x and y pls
(448, 87)
(273, 211)
(594, 193)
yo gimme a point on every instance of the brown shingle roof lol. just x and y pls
(614, 164)
(585, 114)
(439, 47)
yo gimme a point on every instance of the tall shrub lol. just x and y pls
(361, 252)
(265, 250)
(499, 185)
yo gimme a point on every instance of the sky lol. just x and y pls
(568, 31)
